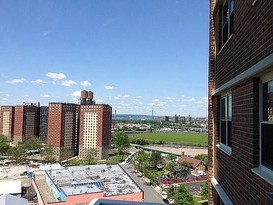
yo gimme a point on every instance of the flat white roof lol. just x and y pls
(10, 187)
(111, 180)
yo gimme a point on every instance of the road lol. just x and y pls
(150, 195)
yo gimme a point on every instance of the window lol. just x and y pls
(225, 119)
(226, 25)
(267, 125)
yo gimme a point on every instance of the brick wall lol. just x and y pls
(210, 89)
(251, 42)
(234, 172)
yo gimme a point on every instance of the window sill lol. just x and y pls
(225, 44)
(224, 197)
(225, 149)
(265, 173)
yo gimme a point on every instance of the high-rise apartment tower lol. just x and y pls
(7, 121)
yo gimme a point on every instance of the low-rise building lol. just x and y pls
(195, 164)
(8, 199)
(82, 184)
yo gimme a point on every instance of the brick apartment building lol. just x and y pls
(26, 122)
(43, 126)
(7, 121)
(95, 127)
(95, 130)
(61, 127)
(240, 102)
(77, 128)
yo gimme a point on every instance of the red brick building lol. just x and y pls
(7, 121)
(240, 102)
(26, 122)
(95, 130)
(62, 127)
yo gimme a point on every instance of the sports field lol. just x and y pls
(183, 138)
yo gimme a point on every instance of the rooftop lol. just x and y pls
(10, 187)
(194, 162)
(109, 179)
(7, 199)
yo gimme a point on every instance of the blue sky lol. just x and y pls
(135, 55)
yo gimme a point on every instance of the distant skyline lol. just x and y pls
(136, 56)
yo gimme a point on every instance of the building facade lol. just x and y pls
(26, 122)
(240, 102)
(61, 128)
(95, 130)
(7, 121)
(43, 126)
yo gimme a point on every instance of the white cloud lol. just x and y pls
(161, 104)
(56, 76)
(16, 81)
(199, 102)
(155, 100)
(44, 96)
(76, 93)
(85, 83)
(124, 96)
(109, 87)
(99, 101)
(118, 97)
(38, 82)
(4, 99)
(139, 96)
(68, 83)
(170, 98)
(205, 99)
(189, 100)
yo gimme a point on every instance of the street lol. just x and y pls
(150, 195)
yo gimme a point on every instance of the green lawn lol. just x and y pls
(186, 139)
(115, 157)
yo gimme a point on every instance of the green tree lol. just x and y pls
(92, 155)
(185, 168)
(32, 143)
(18, 153)
(48, 153)
(204, 158)
(180, 195)
(4, 147)
(121, 140)
(155, 159)
(152, 174)
(205, 191)
(141, 161)
(171, 157)
(170, 167)
(65, 154)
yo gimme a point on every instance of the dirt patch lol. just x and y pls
(188, 151)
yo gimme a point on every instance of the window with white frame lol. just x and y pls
(267, 125)
(226, 119)
(226, 25)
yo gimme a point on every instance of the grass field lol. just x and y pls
(186, 139)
